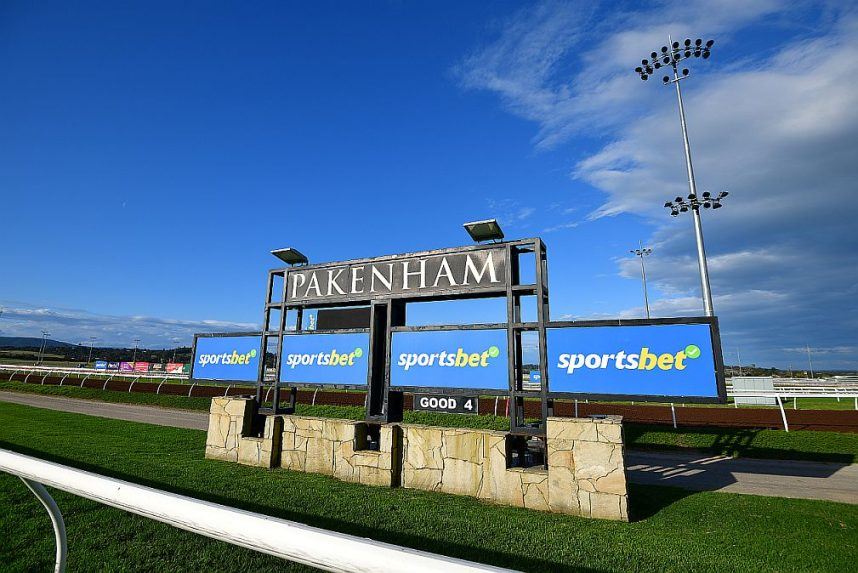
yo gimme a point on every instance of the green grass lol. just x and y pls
(162, 400)
(674, 531)
(769, 444)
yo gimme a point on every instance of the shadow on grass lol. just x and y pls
(733, 442)
(645, 501)
(656, 501)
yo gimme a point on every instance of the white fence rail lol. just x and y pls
(326, 550)
(91, 372)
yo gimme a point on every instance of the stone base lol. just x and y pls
(585, 472)
(330, 446)
(229, 439)
(469, 462)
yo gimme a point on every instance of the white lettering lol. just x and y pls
(471, 268)
(442, 273)
(295, 284)
(314, 284)
(386, 281)
(332, 281)
(356, 279)
(406, 274)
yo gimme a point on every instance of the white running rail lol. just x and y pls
(46, 370)
(326, 550)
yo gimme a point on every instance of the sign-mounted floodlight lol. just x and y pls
(487, 230)
(290, 256)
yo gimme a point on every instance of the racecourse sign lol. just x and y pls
(409, 275)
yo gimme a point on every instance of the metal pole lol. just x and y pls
(643, 278)
(91, 343)
(134, 359)
(809, 361)
(42, 347)
(783, 413)
(695, 211)
(56, 519)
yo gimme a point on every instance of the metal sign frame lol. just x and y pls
(387, 315)
(714, 333)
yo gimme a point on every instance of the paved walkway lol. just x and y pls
(190, 419)
(781, 478)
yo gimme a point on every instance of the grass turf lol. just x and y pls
(768, 444)
(674, 531)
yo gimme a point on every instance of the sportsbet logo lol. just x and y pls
(643, 360)
(457, 359)
(226, 358)
(332, 358)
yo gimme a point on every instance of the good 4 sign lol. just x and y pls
(449, 404)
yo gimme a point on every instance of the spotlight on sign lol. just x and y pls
(290, 256)
(487, 230)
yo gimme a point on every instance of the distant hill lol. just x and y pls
(30, 342)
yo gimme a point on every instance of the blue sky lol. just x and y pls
(152, 154)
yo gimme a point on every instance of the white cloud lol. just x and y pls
(74, 326)
(777, 128)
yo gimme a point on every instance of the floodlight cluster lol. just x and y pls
(671, 56)
(707, 201)
(642, 252)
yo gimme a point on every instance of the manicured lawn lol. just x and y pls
(674, 530)
(769, 444)
(146, 399)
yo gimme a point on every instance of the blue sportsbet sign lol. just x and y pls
(226, 358)
(450, 359)
(337, 358)
(671, 360)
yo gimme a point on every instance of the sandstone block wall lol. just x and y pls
(469, 462)
(584, 475)
(229, 437)
(586, 469)
(331, 447)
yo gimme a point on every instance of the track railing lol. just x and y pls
(89, 372)
(779, 395)
(326, 550)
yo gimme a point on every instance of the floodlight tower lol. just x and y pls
(671, 57)
(642, 252)
(45, 335)
(176, 341)
(134, 359)
(91, 344)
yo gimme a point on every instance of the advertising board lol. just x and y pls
(174, 367)
(156, 367)
(101, 365)
(226, 358)
(126, 367)
(325, 358)
(453, 359)
(647, 360)
(141, 366)
(113, 365)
